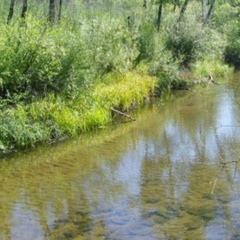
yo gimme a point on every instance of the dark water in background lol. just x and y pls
(154, 178)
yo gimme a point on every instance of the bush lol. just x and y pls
(109, 45)
(32, 60)
(190, 41)
(36, 58)
(146, 42)
(232, 54)
(206, 67)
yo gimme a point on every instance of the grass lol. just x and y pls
(53, 118)
(214, 67)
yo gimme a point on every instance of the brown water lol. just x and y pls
(154, 178)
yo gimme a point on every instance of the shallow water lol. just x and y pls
(155, 178)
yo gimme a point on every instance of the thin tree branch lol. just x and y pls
(235, 170)
(223, 166)
(121, 113)
(216, 179)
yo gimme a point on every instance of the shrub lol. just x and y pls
(32, 60)
(206, 67)
(111, 46)
(232, 54)
(146, 41)
(189, 41)
(17, 129)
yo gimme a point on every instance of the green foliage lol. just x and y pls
(189, 41)
(54, 117)
(31, 59)
(232, 54)
(17, 130)
(228, 19)
(61, 79)
(166, 70)
(111, 45)
(184, 42)
(215, 67)
(146, 42)
(225, 19)
(37, 59)
(128, 89)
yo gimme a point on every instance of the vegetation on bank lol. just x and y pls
(63, 65)
(57, 117)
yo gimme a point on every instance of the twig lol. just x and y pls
(216, 179)
(223, 165)
(121, 113)
(235, 171)
(235, 161)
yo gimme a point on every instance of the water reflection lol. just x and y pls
(149, 179)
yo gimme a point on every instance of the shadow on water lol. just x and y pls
(148, 179)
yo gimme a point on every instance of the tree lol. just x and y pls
(11, 10)
(24, 9)
(159, 15)
(183, 9)
(209, 14)
(145, 3)
(51, 16)
(60, 10)
(160, 8)
(204, 10)
(176, 3)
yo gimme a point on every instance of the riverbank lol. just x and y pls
(60, 79)
(56, 117)
(163, 166)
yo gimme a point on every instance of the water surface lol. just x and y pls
(155, 178)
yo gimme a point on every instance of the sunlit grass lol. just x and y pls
(54, 117)
(130, 88)
(214, 67)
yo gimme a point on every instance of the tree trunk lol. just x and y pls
(183, 9)
(209, 14)
(175, 4)
(11, 10)
(24, 9)
(145, 3)
(159, 16)
(60, 11)
(204, 10)
(51, 16)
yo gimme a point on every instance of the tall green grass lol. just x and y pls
(214, 67)
(54, 118)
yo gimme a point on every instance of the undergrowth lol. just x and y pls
(54, 118)
(58, 80)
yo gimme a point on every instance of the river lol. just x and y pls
(171, 174)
